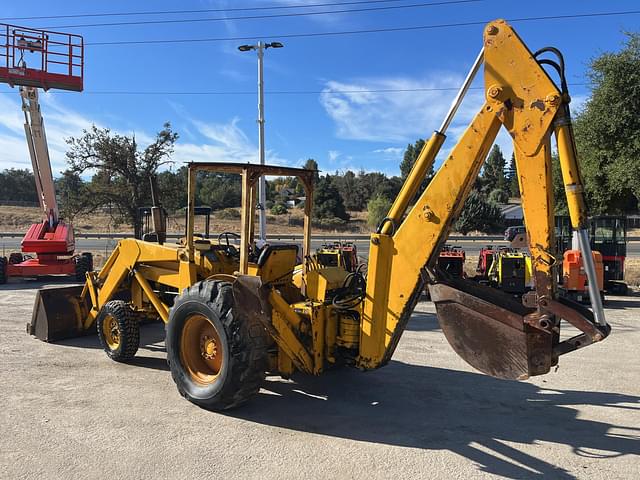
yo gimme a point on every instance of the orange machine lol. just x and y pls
(574, 278)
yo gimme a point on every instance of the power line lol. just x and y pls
(274, 92)
(360, 32)
(258, 17)
(205, 10)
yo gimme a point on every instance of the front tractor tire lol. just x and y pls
(118, 330)
(218, 358)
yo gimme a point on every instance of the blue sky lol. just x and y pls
(340, 130)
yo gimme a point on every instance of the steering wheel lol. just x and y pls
(226, 236)
(231, 250)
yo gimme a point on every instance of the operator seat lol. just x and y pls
(276, 263)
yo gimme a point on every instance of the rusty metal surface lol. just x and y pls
(488, 330)
(252, 298)
(580, 317)
(57, 314)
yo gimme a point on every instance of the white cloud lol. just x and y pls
(578, 103)
(326, 19)
(333, 155)
(224, 142)
(391, 151)
(393, 115)
(60, 123)
(208, 142)
(405, 116)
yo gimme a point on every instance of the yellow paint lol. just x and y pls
(395, 263)
(571, 177)
(160, 307)
(308, 330)
(536, 194)
(111, 332)
(418, 173)
(284, 319)
(320, 282)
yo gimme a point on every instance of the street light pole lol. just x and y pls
(262, 192)
(262, 185)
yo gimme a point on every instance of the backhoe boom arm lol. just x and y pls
(497, 335)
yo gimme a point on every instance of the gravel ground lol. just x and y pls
(68, 412)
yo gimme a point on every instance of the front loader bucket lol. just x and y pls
(488, 329)
(58, 313)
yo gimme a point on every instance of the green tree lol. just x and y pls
(493, 176)
(327, 202)
(388, 187)
(311, 164)
(122, 170)
(608, 130)
(498, 196)
(219, 190)
(559, 195)
(479, 214)
(512, 178)
(377, 209)
(352, 190)
(74, 196)
(173, 188)
(18, 185)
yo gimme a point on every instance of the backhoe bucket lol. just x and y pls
(58, 313)
(489, 330)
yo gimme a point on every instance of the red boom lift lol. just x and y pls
(32, 59)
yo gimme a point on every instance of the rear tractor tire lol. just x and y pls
(118, 330)
(3, 270)
(218, 358)
(84, 264)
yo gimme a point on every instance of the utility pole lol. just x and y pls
(262, 186)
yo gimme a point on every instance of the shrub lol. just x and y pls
(228, 214)
(377, 209)
(479, 214)
(279, 209)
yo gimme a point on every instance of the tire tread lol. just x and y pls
(247, 343)
(129, 330)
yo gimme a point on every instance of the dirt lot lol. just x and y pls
(19, 219)
(66, 411)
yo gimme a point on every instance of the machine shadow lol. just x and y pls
(423, 322)
(40, 282)
(151, 338)
(473, 415)
(621, 304)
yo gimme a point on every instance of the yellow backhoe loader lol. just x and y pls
(233, 313)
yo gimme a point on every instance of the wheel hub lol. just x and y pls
(201, 350)
(208, 347)
(111, 332)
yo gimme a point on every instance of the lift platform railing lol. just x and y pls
(41, 58)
